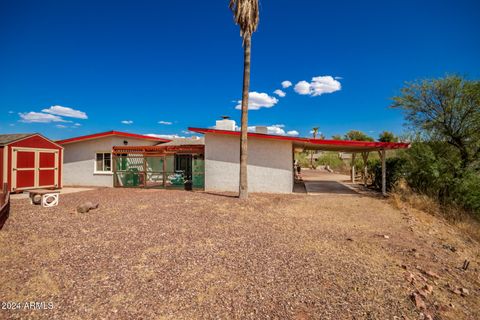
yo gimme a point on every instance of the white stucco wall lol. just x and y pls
(79, 160)
(270, 164)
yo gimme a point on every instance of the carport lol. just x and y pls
(362, 148)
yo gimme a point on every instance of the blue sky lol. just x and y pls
(180, 62)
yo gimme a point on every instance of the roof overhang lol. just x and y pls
(315, 144)
(111, 133)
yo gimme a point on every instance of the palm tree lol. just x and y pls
(314, 131)
(246, 15)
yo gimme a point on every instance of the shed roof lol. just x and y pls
(111, 133)
(9, 138)
(316, 144)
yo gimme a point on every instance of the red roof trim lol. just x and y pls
(338, 143)
(111, 133)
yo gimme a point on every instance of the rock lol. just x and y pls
(457, 291)
(464, 292)
(428, 288)
(410, 277)
(419, 303)
(432, 274)
(386, 237)
(86, 207)
(349, 239)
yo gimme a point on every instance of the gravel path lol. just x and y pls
(154, 254)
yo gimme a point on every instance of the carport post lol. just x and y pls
(384, 173)
(353, 168)
(365, 167)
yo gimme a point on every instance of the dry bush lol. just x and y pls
(404, 197)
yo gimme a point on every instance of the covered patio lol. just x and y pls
(355, 148)
(161, 166)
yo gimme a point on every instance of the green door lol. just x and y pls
(198, 172)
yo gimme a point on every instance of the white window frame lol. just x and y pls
(95, 171)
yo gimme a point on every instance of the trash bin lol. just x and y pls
(188, 185)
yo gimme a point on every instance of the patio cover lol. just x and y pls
(317, 144)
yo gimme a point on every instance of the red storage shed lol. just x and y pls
(30, 161)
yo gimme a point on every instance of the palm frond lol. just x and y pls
(246, 15)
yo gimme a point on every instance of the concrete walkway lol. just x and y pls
(322, 182)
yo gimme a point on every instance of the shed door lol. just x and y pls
(23, 169)
(32, 168)
(47, 169)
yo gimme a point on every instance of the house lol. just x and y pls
(270, 157)
(88, 159)
(30, 161)
(118, 159)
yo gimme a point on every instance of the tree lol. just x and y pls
(387, 136)
(357, 135)
(246, 15)
(337, 137)
(446, 109)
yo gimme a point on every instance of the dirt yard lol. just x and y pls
(153, 254)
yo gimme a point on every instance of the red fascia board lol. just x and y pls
(339, 143)
(111, 133)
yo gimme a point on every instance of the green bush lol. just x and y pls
(467, 192)
(395, 171)
(330, 159)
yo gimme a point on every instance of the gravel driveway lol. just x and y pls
(155, 254)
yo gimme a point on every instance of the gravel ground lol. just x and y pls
(155, 254)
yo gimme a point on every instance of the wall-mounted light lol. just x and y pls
(125, 142)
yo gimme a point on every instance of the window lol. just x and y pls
(103, 162)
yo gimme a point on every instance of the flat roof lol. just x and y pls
(315, 144)
(111, 133)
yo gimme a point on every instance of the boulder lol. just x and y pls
(86, 207)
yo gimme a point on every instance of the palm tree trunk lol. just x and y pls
(243, 187)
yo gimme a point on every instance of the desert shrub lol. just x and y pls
(303, 159)
(435, 169)
(330, 159)
(466, 192)
(395, 171)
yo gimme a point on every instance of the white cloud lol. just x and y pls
(127, 121)
(319, 85)
(286, 84)
(60, 126)
(66, 112)
(167, 123)
(258, 100)
(293, 133)
(303, 87)
(164, 136)
(38, 117)
(280, 93)
(76, 124)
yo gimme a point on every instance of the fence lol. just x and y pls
(4, 205)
